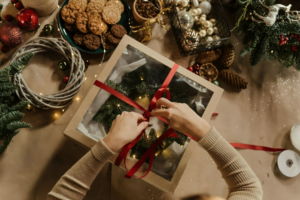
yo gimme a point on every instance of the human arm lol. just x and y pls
(74, 184)
(241, 180)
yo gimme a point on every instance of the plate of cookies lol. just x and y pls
(94, 25)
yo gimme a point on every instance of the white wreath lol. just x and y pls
(64, 97)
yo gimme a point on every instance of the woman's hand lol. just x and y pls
(182, 118)
(124, 129)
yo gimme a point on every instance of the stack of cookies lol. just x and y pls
(90, 20)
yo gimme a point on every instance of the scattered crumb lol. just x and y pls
(259, 162)
(268, 174)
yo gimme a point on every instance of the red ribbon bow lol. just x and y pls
(147, 114)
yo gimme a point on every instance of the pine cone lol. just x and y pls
(209, 56)
(233, 79)
(227, 58)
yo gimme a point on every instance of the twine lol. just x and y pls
(64, 97)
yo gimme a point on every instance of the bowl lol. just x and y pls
(138, 17)
(126, 21)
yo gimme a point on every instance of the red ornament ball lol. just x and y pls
(19, 5)
(27, 19)
(294, 48)
(196, 72)
(190, 69)
(66, 79)
(8, 18)
(14, 1)
(5, 49)
(11, 35)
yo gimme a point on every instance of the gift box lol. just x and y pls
(133, 79)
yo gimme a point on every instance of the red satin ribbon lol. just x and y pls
(169, 133)
(255, 147)
(147, 114)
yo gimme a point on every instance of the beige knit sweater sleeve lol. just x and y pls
(242, 182)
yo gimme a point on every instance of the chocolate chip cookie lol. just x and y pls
(91, 42)
(95, 7)
(106, 43)
(70, 12)
(96, 25)
(118, 4)
(111, 14)
(82, 22)
(69, 27)
(118, 30)
(113, 39)
(78, 38)
(82, 3)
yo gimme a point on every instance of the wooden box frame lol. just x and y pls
(152, 178)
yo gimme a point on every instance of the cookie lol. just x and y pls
(91, 42)
(96, 25)
(99, 1)
(118, 30)
(117, 4)
(113, 39)
(106, 44)
(71, 28)
(95, 7)
(111, 15)
(70, 12)
(82, 22)
(78, 38)
(82, 3)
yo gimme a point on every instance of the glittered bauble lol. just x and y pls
(205, 7)
(186, 20)
(86, 64)
(8, 18)
(14, 1)
(5, 49)
(19, 5)
(48, 29)
(209, 72)
(63, 65)
(11, 35)
(66, 79)
(27, 19)
(216, 83)
(192, 35)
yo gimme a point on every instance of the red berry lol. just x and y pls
(294, 48)
(196, 72)
(196, 67)
(190, 69)
(5, 49)
(299, 38)
(282, 37)
(14, 1)
(19, 5)
(66, 79)
(287, 39)
(8, 18)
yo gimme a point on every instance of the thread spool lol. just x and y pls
(288, 163)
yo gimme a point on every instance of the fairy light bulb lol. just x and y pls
(142, 78)
(133, 156)
(140, 97)
(118, 105)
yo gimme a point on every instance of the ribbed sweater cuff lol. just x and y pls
(208, 141)
(101, 151)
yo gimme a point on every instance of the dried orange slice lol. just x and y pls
(208, 71)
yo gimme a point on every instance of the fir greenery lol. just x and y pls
(144, 82)
(262, 41)
(10, 113)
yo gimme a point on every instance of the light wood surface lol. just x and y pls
(262, 115)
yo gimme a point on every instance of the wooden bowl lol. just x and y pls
(138, 17)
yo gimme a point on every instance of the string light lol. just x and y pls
(118, 105)
(95, 75)
(156, 154)
(77, 98)
(140, 97)
(29, 107)
(41, 93)
(181, 145)
(142, 78)
(63, 110)
(133, 156)
(85, 78)
(56, 115)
